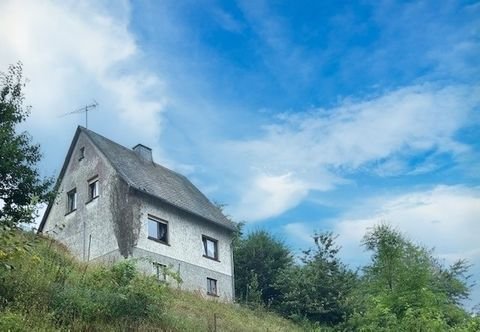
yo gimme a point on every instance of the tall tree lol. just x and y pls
(259, 259)
(20, 184)
(320, 289)
(406, 288)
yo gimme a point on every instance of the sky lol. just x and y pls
(300, 117)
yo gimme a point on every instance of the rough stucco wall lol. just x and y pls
(125, 210)
(185, 249)
(117, 224)
(194, 277)
(91, 218)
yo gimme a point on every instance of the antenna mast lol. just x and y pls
(85, 109)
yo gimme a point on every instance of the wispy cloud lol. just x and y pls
(74, 52)
(284, 58)
(318, 150)
(444, 217)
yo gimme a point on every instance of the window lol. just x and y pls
(212, 287)
(160, 271)
(71, 200)
(210, 247)
(157, 230)
(81, 153)
(92, 189)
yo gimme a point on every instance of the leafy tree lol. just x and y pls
(405, 288)
(259, 258)
(20, 184)
(320, 289)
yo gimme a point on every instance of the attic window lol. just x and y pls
(81, 153)
(72, 200)
(157, 230)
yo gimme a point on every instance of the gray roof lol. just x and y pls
(158, 181)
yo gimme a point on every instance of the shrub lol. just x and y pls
(48, 279)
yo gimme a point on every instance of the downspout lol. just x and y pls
(233, 270)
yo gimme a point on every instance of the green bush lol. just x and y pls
(106, 294)
(48, 279)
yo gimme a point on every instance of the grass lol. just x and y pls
(194, 313)
(49, 290)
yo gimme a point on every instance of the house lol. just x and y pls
(114, 203)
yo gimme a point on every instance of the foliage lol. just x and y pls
(50, 280)
(259, 260)
(320, 289)
(21, 188)
(49, 290)
(20, 184)
(405, 288)
(191, 312)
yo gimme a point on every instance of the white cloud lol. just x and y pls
(301, 232)
(445, 218)
(74, 52)
(227, 21)
(269, 196)
(318, 149)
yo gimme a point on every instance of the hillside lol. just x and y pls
(46, 289)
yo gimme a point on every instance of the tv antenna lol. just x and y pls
(85, 109)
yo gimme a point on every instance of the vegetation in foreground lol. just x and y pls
(48, 290)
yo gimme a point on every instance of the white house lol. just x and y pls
(114, 203)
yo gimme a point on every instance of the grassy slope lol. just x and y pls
(192, 312)
(26, 292)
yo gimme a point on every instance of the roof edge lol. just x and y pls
(60, 177)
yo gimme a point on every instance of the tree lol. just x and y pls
(259, 259)
(320, 289)
(20, 184)
(406, 288)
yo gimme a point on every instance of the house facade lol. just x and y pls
(114, 203)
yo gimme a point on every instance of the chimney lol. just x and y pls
(143, 152)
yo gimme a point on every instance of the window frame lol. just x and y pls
(160, 271)
(159, 222)
(93, 181)
(205, 239)
(209, 283)
(72, 207)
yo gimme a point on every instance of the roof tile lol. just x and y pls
(158, 181)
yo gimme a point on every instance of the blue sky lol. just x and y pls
(300, 117)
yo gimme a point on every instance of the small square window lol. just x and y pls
(210, 247)
(157, 230)
(160, 271)
(212, 287)
(72, 200)
(92, 189)
(81, 153)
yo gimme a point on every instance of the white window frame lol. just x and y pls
(159, 222)
(96, 192)
(205, 240)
